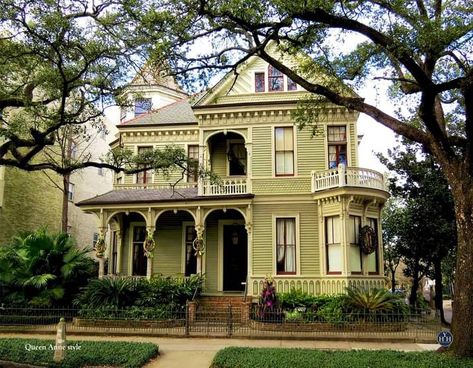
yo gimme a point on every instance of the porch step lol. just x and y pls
(217, 307)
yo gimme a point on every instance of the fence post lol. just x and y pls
(230, 321)
(187, 320)
(60, 347)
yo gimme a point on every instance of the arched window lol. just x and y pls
(275, 79)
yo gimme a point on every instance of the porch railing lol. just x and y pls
(225, 186)
(153, 186)
(347, 176)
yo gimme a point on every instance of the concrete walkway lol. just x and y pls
(199, 352)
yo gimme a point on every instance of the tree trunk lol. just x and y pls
(65, 203)
(439, 289)
(393, 280)
(415, 283)
(462, 321)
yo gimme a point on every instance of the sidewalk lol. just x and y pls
(199, 352)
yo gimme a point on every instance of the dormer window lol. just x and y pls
(275, 79)
(142, 106)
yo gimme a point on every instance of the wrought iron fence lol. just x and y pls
(243, 320)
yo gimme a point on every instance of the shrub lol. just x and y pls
(158, 313)
(91, 353)
(43, 269)
(373, 300)
(334, 310)
(122, 292)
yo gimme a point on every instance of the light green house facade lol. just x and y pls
(288, 205)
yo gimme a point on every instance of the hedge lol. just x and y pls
(90, 353)
(234, 357)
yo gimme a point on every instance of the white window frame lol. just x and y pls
(273, 151)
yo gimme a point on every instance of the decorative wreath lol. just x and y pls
(149, 245)
(100, 247)
(368, 239)
(199, 247)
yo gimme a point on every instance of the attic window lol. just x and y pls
(275, 79)
(259, 82)
(291, 85)
(142, 106)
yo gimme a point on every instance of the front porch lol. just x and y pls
(178, 238)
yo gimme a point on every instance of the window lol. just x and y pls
(337, 146)
(284, 151)
(142, 106)
(191, 258)
(193, 169)
(291, 85)
(286, 245)
(236, 154)
(100, 171)
(373, 258)
(70, 192)
(354, 225)
(114, 260)
(144, 177)
(275, 79)
(259, 82)
(333, 245)
(139, 258)
(119, 179)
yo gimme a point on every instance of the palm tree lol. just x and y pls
(40, 268)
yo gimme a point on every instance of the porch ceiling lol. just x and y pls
(154, 195)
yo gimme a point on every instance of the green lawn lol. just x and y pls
(78, 353)
(306, 358)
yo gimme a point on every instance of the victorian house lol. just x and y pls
(287, 205)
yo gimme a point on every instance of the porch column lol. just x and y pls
(119, 251)
(249, 232)
(199, 246)
(149, 245)
(249, 166)
(100, 249)
(202, 164)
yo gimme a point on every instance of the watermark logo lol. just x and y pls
(445, 338)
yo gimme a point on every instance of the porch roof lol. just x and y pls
(130, 196)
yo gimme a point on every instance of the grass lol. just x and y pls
(234, 357)
(78, 353)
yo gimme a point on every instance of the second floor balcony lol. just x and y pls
(343, 176)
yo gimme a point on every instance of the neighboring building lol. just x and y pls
(29, 200)
(288, 205)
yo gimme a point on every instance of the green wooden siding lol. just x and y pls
(281, 185)
(264, 241)
(211, 255)
(219, 157)
(311, 152)
(262, 155)
(353, 146)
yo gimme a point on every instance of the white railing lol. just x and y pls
(153, 186)
(225, 186)
(347, 176)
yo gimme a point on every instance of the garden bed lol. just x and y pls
(326, 326)
(121, 323)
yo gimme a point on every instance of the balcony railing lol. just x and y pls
(347, 176)
(226, 186)
(154, 186)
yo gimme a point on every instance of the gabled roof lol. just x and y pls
(179, 112)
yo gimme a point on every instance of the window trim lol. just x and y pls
(229, 142)
(151, 174)
(346, 142)
(356, 244)
(327, 258)
(198, 153)
(294, 151)
(376, 252)
(142, 99)
(130, 244)
(284, 215)
(184, 226)
(70, 193)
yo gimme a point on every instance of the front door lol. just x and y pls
(235, 257)
(139, 258)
